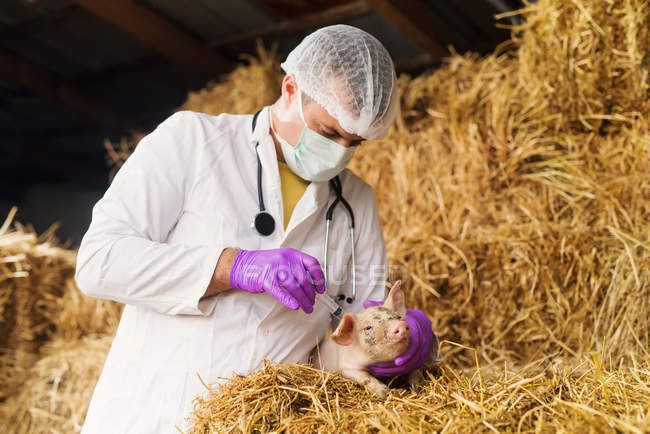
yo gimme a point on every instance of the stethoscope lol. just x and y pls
(264, 222)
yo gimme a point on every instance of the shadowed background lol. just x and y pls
(73, 73)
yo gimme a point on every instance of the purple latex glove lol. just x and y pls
(420, 346)
(290, 276)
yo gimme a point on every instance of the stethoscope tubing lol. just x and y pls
(265, 224)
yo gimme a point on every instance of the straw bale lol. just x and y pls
(294, 398)
(39, 298)
(246, 89)
(40, 302)
(513, 189)
(514, 194)
(14, 369)
(57, 389)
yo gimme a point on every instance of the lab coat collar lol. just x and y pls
(315, 197)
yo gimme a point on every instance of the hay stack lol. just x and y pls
(515, 187)
(513, 192)
(56, 390)
(244, 90)
(297, 399)
(39, 299)
(45, 321)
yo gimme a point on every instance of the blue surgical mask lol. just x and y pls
(314, 158)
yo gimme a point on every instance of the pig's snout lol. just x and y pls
(399, 331)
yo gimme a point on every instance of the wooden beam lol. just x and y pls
(159, 34)
(57, 90)
(415, 63)
(25, 29)
(326, 17)
(135, 66)
(414, 21)
(311, 21)
(424, 60)
(290, 9)
(480, 14)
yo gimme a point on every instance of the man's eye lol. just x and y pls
(367, 328)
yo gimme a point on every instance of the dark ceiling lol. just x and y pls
(73, 73)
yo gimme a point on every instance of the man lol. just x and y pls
(206, 294)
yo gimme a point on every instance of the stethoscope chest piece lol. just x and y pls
(264, 223)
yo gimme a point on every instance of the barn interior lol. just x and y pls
(513, 191)
(75, 73)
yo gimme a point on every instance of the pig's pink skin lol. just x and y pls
(399, 331)
(334, 357)
(388, 338)
(377, 334)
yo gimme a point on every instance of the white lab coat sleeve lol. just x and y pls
(123, 256)
(370, 253)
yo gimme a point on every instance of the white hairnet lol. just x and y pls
(349, 73)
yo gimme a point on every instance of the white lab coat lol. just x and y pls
(188, 191)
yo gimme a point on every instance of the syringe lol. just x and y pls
(335, 310)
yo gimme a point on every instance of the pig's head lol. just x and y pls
(379, 333)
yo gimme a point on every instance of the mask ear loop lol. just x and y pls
(302, 115)
(275, 132)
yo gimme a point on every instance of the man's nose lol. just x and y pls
(346, 143)
(343, 142)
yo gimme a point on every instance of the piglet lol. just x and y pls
(377, 334)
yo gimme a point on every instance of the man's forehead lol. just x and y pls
(333, 124)
(325, 119)
(344, 96)
(345, 100)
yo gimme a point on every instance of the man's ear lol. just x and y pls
(395, 299)
(344, 334)
(289, 89)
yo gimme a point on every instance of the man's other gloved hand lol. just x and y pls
(421, 345)
(290, 276)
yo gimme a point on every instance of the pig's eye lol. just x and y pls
(367, 328)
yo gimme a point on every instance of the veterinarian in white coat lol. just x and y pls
(161, 238)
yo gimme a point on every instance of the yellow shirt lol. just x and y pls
(293, 187)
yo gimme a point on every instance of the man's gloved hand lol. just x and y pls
(290, 276)
(420, 346)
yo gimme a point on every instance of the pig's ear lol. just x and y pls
(344, 334)
(395, 299)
